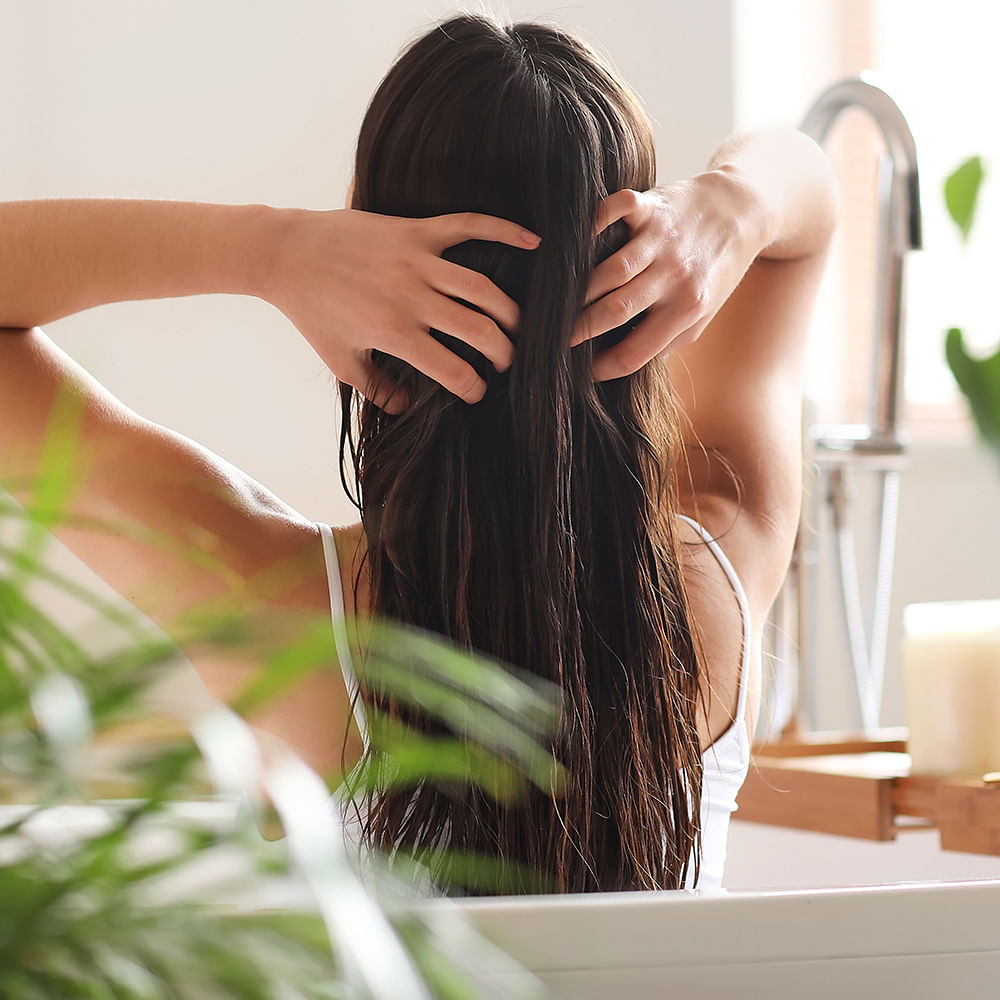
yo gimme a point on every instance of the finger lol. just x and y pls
(646, 342)
(448, 230)
(620, 205)
(655, 335)
(375, 385)
(475, 288)
(615, 309)
(620, 268)
(442, 365)
(473, 328)
(692, 333)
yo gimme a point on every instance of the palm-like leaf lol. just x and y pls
(89, 897)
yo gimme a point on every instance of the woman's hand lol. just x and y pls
(691, 244)
(352, 281)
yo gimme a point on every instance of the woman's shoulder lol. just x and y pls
(351, 544)
(350, 537)
(756, 536)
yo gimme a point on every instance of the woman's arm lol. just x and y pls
(770, 194)
(171, 526)
(60, 257)
(729, 264)
(350, 281)
(793, 184)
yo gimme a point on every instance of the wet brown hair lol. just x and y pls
(537, 525)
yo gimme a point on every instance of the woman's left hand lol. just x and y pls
(691, 243)
(355, 281)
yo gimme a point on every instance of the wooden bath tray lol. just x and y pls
(862, 787)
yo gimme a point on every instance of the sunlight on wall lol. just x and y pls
(943, 63)
(939, 63)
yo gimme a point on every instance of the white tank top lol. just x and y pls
(725, 762)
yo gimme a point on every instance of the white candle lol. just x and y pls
(951, 677)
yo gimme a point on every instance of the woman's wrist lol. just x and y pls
(793, 182)
(752, 217)
(272, 253)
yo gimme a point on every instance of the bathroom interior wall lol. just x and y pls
(259, 102)
(251, 101)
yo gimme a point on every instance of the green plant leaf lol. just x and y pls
(961, 194)
(979, 380)
(528, 700)
(84, 917)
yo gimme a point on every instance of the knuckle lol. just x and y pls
(410, 266)
(482, 327)
(469, 385)
(693, 296)
(684, 272)
(684, 278)
(474, 285)
(389, 333)
(622, 309)
(625, 268)
(630, 199)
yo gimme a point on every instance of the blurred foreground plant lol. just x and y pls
(978, 378)
(172, 892)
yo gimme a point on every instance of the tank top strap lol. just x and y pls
(343, 647)
(744, 606)
(340, 639)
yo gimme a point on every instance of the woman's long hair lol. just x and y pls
(535, 526)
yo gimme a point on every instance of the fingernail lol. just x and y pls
(530, 239)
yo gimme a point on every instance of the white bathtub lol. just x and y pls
(939, 941)
(921, 940)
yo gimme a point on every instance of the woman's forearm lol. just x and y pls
(59, 257)
(790, 184)
(349, 281)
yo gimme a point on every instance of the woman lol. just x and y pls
(561, 515)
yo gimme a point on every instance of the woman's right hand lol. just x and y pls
(352, 281)
(770, 193)
(691, 243)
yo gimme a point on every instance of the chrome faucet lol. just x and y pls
(834, 453)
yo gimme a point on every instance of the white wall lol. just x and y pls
(241, 101)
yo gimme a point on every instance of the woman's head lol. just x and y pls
(523, 122)
(535, 525)
(473, 109)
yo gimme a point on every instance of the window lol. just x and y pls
(939, 63)
(942, 59)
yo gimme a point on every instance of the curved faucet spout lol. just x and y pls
(899, 232)
(837, 453)
(865, 91)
